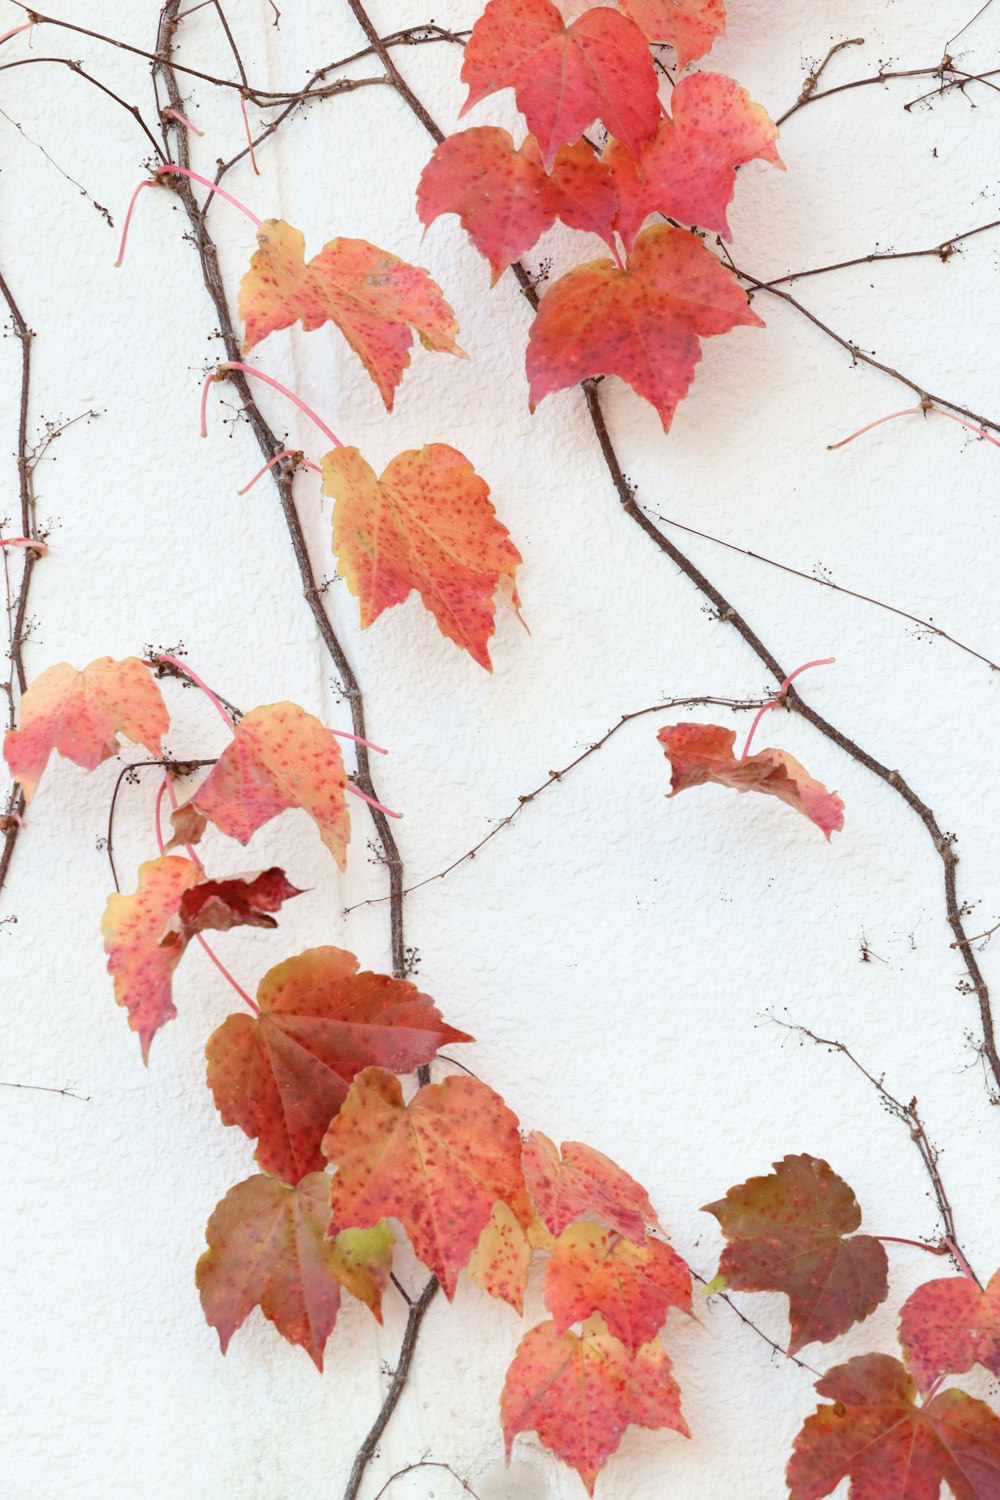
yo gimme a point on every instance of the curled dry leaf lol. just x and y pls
(594, 1270)
(218, 905)
(427, 524)
(699, 753)
(80, 715)
(950, 1324)
(584, 1181)
(282, 1075)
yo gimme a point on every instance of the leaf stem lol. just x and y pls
(779, 696)
(171, 168)
(964, 1266)
(175, 114)
(199, 682)
(246, 127)
(895, 1239)
(301, 462)
(235, 364)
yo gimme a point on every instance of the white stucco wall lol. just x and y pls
(615, 954)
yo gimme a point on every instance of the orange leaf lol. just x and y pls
(267, 1248)
(890, 1448)
(580, 1392)
(373, 297)
(642, 323)
(79, 714)
(564, 77)
(704, 752)
(281, 1076)
(594, 1270)
(948, 1325)
(426, 524)
(584, 1181)
(787, 1233)
(500, 1261)
(438, 1165)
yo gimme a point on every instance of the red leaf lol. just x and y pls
(438, 1165)
(704, 752)
(218, 905)
(786, 1233)
(890, 1448)
(500, 1261)
(580, 1392)
(582, 191)
(267, 1248)
(584, 1181)
(690, 26)
(373, 297)
(688, 170)
(79, 714)
(948, 1326)
(281, 1076)
(427, 524)
(280, 757)
(593, 1270)
(642, 323)
(564, 78)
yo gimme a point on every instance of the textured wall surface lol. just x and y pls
(617, 956)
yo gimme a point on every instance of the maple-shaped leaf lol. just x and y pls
(642, 323)
(690, 26)
(687, 171)
(500, 1261)
(438, 1165)
(427, 524)
(564, 77)
(788, 1232)
(279, 757)
(594, 1270)
(80, 714)
(704, 752)
(584, 1181)
(362, 1259)
(373, 297)
(579, 1392)
(282, 1075)
(218, 905)
(948, 1325)
(891, 1449)
(267, 1248)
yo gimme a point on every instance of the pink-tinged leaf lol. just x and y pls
(594, 1270)
(643, 323)
(80, 714)
(949, 1325)
(500, 1261)
(690, 26)
(218, 905)
(362, 1259)
(699, 753)
(282, 1075)
(280, 757)
(584, 1181)
(787, 1232)
(134, 927)
(427, 524)
(579, 1392)
(889, 1448)
(267, 1248)
(373, 297)
(564, 77)
(438, 1165)
(687, 171)
(582, 191)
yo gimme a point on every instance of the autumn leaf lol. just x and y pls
(690, 26)
(362, 1259)
(579, 1392)
(890, 1448)
(564, 77)
(427, 524)
(373, 297)
(704, 752)
(282, 1075)
(280, 757)
(787, 1232)
(500, 1261)
(584, 1181)
(438, 1165)
(642, 323)
(948, 1325)
(594, 1270)
(218, 905)
(80, 714)
(687, 170)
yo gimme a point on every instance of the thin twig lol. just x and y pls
(942, 251)
(427, 1463)
(41, 1088)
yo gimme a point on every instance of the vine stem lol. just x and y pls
(300, 462)
(303, 406)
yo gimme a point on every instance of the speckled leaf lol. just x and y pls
(438, 1165)
(699, 753)
(890, 1448)
(427, 524)
(584, 1181)
(80, 714)
(134, 927)
(690, 26)
(787, 1232)
(500, 1261)
(580, 1392)
(267, 1248)
(281, 1076)
(643, 323)
(948, 1325)
(373, 297)
(582, 191)
(564, 77)
(362, 1259)
(594, 1270)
